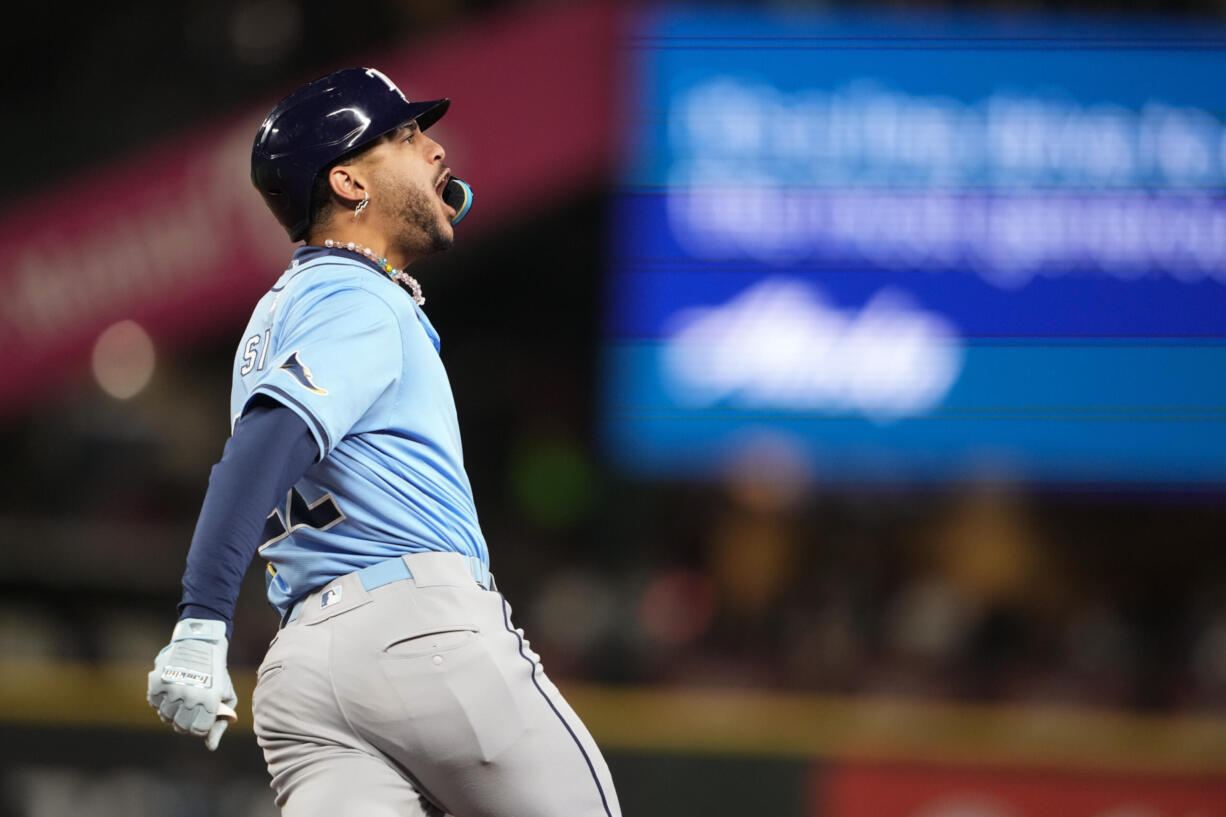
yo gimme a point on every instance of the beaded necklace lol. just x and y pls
(398, 275)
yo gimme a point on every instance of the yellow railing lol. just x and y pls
(730, 722)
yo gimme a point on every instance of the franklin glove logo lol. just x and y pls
(188, 677)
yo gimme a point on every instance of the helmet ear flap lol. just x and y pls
(317, 125)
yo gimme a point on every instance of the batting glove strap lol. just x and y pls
(189, 682)
(201, 629)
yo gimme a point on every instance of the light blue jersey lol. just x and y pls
(348, 350)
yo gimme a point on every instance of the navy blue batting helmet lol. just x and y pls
(319, 123)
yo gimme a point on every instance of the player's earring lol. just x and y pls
(361, 205)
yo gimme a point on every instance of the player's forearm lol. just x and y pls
(270, 450)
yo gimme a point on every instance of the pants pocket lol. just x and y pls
(431, 642)
(458, 702)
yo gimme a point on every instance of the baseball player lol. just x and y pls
(397, 684)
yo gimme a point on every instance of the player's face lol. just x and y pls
(410, 177)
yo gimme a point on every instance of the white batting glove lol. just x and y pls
(189, 685)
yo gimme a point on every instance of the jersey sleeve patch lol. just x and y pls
(298, 370)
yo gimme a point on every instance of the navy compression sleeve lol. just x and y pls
(270, 449)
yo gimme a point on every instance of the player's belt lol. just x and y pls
(395, 570)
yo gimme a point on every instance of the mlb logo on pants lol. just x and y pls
(331, 596)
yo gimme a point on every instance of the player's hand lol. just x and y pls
(189, 686)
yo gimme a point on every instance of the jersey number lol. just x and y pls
(295, 513)
(255, 345)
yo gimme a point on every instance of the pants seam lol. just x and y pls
(604, 801)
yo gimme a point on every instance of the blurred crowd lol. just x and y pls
(981, 594)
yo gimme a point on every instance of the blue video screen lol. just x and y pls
(920, 248)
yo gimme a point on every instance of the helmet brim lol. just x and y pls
(431, 112)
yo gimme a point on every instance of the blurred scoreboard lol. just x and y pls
(920, 248)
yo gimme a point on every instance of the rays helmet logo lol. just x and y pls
(299, 371)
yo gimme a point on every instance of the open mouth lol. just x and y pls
(440, 187)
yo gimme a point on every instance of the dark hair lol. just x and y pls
(321, 196)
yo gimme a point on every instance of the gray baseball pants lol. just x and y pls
(420, 698)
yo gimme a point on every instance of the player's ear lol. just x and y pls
(346, 184)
